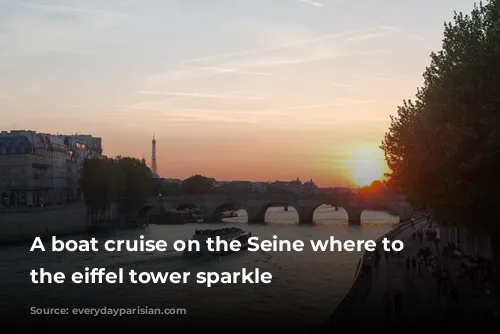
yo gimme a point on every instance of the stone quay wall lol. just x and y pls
(24, 225)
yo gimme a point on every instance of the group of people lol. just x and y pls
(387, 256)
(418, 235)
(414, 263)
(219, 231)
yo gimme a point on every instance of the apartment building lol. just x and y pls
(42, 169)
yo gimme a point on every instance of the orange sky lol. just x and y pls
(235, 90)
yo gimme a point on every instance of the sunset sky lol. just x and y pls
(232, 89)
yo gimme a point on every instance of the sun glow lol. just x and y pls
(366, 165)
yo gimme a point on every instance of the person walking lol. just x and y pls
(413, 264)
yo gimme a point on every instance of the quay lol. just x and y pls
(363, 307)
(427, 302)
(25, 224)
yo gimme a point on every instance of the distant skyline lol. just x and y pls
(236, 90)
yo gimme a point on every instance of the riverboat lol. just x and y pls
(228, 234)
(176, 217)
(229, 214)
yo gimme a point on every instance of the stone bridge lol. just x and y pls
(256, 205)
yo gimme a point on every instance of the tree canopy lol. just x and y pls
(375, 188)
(105, 181)
(98, 185)
(134, 182)
(443, 148)
(197, 185)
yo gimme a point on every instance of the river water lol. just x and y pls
(305, 285)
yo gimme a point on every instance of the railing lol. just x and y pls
(362, 283)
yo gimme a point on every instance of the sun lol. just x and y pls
(366, 165)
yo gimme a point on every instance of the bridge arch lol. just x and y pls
(227, 210)
(352, 212)
(187, 205)
(326, 213)
(258, 215)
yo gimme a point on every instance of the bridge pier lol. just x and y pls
(354, 214)
(256, 215)
(305, 215)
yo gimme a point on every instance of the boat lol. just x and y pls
(228, 233)
(229, 214)
(176, 217)
(196, 216)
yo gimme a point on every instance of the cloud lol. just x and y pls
(186, 72)
(219, 70)
(69, 9)
(303, 42)
(261, 112)
(202, 96)
(312, 3)
(309, 49)
(362, 37)
(245, 65)
(184, 117)
(402, 32)
(281, 61)
(334, 104)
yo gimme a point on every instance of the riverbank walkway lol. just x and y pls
(420, 295)
(421, 299)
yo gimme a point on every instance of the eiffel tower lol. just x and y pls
(153, 158)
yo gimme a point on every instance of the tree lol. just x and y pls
(98, 185)
(197, 185)
(235, 189)
(134, 182)
(105, 181)
(167, 188)
(443, 148)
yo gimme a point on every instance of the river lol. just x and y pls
(305, 285)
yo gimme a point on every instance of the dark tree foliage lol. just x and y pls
(376, 188)
(197, 185)
(105, 181)
(166, 188)
(443, 148)
(97, 181)
(134, 182)
(234, 189)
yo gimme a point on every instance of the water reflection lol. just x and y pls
(305, 284)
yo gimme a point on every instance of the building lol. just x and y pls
(296, 186)
(42, 169)
(260, 187)
(309, 187)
